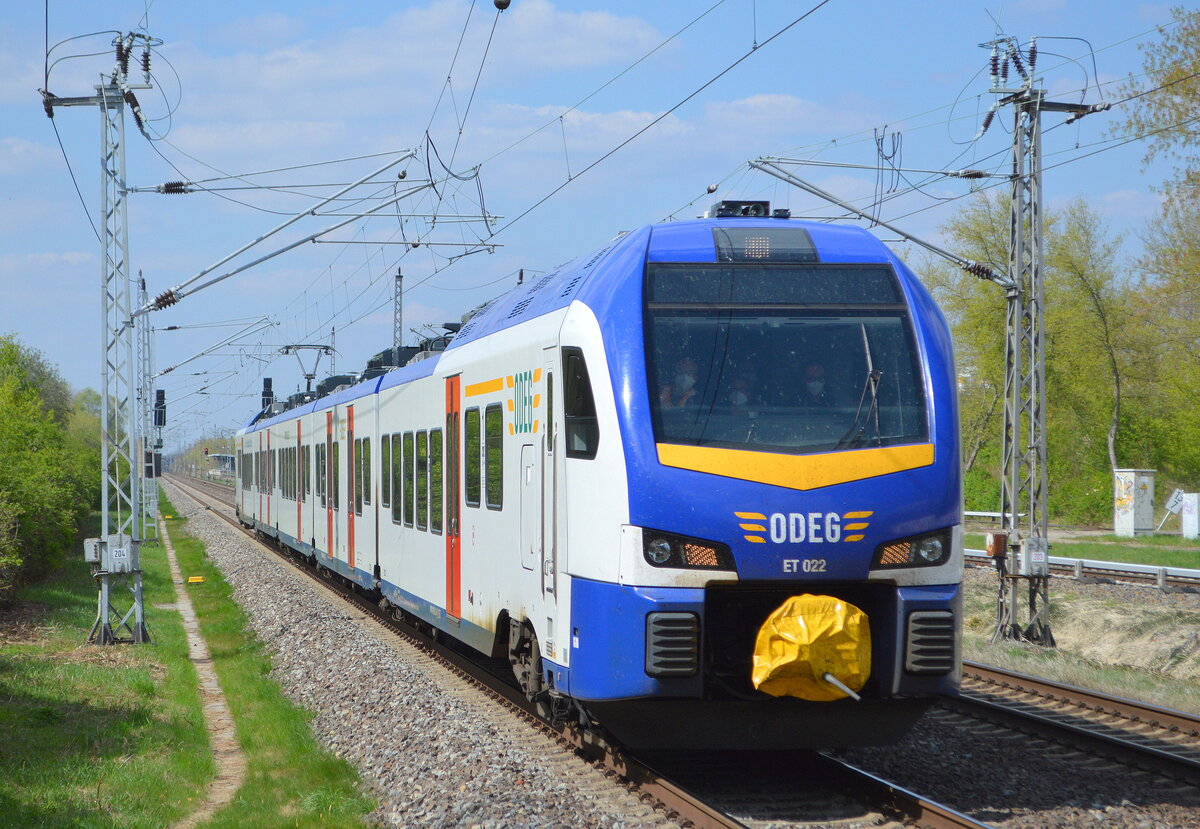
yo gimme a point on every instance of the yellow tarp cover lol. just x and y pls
(805, 638)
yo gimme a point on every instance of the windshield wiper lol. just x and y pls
(854, 435)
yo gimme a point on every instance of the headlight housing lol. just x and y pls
(925, 550)
(662, 549)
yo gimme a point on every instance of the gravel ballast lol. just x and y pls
(433, 750)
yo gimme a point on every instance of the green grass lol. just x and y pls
(98, 737)
(290, 779)
(1158, 551)
(114, 736)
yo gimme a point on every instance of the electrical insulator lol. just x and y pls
(135, 107)
(987, 121)
(146, 60)
(175, 187)
(1033, 54)
(1018, 63)
(995, 66)
(1004, 70)
(123, 58)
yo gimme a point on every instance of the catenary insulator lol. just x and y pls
(995, 65)
(1004, 70)
(134, 107)
(122, 58)
(165, 300)
(146, 60)
(978, 269)
(1018, 63)
(1033, 54)
(968, 173)
(987, 121)
(175, 187)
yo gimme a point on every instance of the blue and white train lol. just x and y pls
(615, 473)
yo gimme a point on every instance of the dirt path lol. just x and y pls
(230, 761)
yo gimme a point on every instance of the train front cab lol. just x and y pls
(754, 491)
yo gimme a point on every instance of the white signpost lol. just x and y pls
(1174, 504)
(1191, 515)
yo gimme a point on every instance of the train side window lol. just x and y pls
(422, 480)
(385, 471)
(307, 472)
(435, 480)
(471, 458)
(579, 407)
(408, 479)
(337, 476)
(493, 424)
(321, 473)
(397, 482)
(358, 476)
(366, 471)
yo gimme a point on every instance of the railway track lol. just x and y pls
(1156, 739)
(706, 789)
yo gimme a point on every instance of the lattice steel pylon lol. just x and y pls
(149, 446)
(398, 311)
(115, 555)
(1025, 560)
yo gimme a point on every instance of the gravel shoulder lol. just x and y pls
(433, 750)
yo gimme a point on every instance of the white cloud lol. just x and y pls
(776, 114)
(29, 263)
(19, 157)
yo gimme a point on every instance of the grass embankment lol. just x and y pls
(114, 736)
(1155, 550)
(1143, 651)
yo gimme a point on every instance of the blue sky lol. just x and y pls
(301, 82)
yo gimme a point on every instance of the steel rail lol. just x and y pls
(1165, 740)
(676, 799)
(1083, 568)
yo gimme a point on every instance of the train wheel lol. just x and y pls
(526, 659)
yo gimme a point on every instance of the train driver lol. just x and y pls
(681, 391)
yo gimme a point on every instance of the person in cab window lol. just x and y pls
(814, 392)
(743, 390)
(681, 391)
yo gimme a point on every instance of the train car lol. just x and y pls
(637, 473)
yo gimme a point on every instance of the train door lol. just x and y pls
(531, 506)
(329, 495)
(549, 482)
(353, 491)
(298, 483)
(452, 472)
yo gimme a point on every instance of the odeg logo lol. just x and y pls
(813, 527)
(803, 527)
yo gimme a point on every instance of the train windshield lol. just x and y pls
(792, 358)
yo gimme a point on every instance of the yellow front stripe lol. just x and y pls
(802, 472)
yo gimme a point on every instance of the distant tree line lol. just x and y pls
(1123, 337)
(49, 464)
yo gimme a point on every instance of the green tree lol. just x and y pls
(1167, 97)
(48, 474)
(1091, 343)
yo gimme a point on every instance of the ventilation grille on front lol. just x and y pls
(672, 644)
(931, 642)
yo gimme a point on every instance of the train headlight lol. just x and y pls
(928, 550)
(658, 551)
(670, 550)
